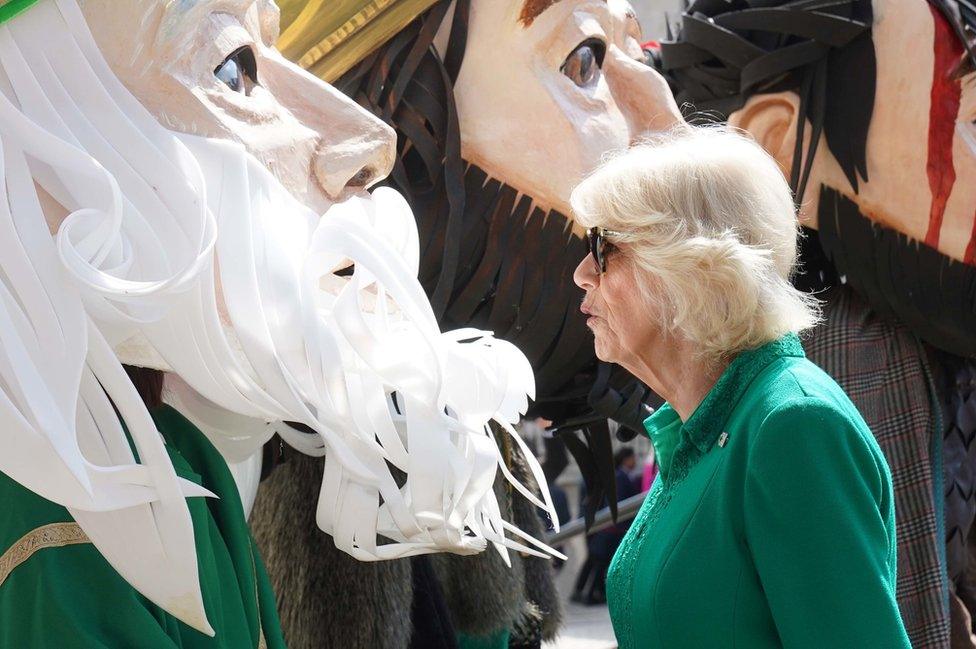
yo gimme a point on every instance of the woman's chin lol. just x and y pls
(603, 351)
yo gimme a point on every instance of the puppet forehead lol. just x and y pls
(177, 14)
(172, 24)
(532, 9)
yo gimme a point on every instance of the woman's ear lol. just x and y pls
(771, 120)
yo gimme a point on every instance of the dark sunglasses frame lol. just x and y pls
(599, 246)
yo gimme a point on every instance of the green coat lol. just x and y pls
(772, 522)
(58, 592)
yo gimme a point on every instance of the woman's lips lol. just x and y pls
(591, 317)
(590, 320)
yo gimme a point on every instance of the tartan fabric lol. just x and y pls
(883, 368)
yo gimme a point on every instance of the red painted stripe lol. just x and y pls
(945, 96)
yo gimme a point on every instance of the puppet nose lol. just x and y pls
(642, 93)
(356, 164)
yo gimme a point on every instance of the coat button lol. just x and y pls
(723, 439)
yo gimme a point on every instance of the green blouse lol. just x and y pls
(771, 523)
(57, 591)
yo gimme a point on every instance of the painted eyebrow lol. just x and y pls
(208, 5)
(173, 9)
(532, 9)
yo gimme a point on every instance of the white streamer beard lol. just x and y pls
(136, 256)
(331, 354)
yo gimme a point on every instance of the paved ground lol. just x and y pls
(584, 627)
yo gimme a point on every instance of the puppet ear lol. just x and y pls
(771, 119)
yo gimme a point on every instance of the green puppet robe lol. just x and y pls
(58, 592)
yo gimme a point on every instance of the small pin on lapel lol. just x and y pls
(723, 439)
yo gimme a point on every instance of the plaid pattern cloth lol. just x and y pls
(883, 368)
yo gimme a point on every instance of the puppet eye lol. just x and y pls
(239, 71)
(583, 64)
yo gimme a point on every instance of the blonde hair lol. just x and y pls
(709, 222)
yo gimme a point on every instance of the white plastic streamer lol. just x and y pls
(156, 221)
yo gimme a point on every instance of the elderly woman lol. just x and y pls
(771, 523)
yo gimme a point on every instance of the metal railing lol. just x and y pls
(626, 510)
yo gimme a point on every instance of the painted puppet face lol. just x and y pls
(921, 170)
(547, 88)
(209, 67)
(921, 156)
(627, 32)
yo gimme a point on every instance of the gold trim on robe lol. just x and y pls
(53, 535)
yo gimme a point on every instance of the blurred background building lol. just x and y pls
(652, 13)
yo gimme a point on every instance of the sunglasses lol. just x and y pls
(599, 246)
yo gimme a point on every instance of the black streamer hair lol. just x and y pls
(724, 52)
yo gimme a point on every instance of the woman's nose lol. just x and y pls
(585, 274)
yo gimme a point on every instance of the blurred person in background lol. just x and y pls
(590, 585)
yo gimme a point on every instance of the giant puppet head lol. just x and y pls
(542, 89)
(165, 174)
(870, 109)
(211, 69)
(500, 107)
(546, 89)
